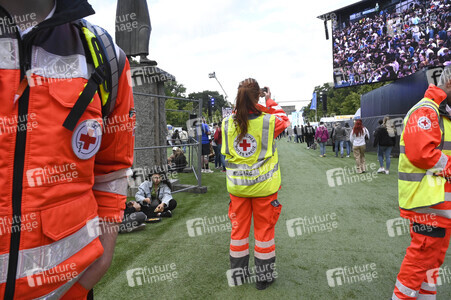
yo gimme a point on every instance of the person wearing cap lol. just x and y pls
(155, 196)
(424, 188)
(177, 160)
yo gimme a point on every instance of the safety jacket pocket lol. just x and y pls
(67, 93)
(63, 220)
(277, 208)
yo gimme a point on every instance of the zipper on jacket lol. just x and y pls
(18, 167)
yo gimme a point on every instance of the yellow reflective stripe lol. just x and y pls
(89, 37)
(46, 257)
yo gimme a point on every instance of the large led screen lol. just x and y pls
(388, 40)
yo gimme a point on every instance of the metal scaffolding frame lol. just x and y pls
(196, 143)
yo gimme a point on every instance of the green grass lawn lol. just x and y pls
(359, 237)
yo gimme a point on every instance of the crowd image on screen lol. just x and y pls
(393, 43)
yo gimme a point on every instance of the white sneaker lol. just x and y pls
(202, 171)
(380, 170)
(208, 171)
(387, 172)
(347, 155)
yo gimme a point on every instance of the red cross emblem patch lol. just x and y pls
(424, 123)
(86, 139)
(246, 147)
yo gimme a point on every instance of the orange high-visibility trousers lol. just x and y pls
(266, 211)
(417, 278)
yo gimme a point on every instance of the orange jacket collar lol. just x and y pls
(435, 93)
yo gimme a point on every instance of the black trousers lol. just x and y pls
(148, 209)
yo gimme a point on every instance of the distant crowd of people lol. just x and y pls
(394, 43)
(352, 139)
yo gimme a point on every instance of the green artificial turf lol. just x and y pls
(358, 237)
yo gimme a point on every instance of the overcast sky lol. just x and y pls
(280, 43)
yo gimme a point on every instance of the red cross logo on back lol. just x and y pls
(244, 145)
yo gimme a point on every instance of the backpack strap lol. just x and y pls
(108, 62)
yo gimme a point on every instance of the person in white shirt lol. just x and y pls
(359, 133)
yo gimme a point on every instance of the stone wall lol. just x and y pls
(150, 115)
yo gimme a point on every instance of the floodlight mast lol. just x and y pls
(213, 75)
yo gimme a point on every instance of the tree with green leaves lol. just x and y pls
(342, 101)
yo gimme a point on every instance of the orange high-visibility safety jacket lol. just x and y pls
(422, 148)
(55, 183)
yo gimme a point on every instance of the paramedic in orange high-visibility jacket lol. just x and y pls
(58, 184)
(253, 180)
(424, 189)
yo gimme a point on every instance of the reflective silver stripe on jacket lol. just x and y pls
(51, 65)
(46, 257)
(247, 173)
(440, 165)
(247, 182)
(428, 287)
(411, 176)
(264, 244)
(265, 137)
(246, 167)
(9, 54)
(226, 134)
(265, 256)
(447, 196)
(446, 146)
(405, 290)
(446, 213)
(238, 254)
(56, 294)
(114, 182)
(239, 242)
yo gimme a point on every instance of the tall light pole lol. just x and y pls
(213, 75)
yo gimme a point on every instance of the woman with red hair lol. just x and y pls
(253, 180)
(358, 136)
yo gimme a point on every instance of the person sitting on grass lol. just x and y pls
(177, 161)
(155, 196)
(134, 218)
